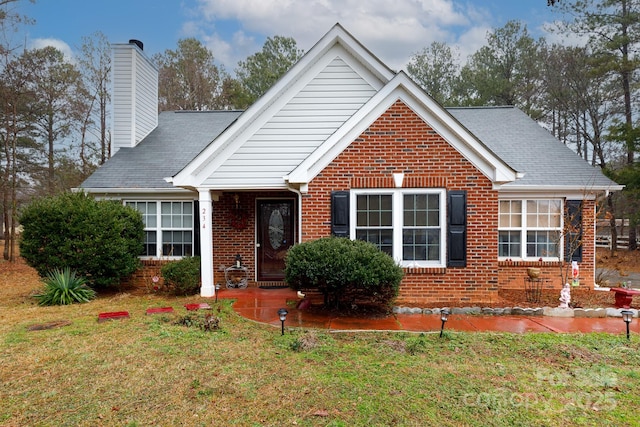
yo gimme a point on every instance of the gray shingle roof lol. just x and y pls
(529, 148)
(179, 137)
(507, 131)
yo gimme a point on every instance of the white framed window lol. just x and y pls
(530, 229)
(168, 227)
(408, 224)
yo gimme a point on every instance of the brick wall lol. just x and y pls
(143, 277)
(400, 142)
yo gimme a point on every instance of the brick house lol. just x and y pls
(465, 199)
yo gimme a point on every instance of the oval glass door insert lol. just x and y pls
(276, 229)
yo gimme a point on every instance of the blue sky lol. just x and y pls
(233, 29)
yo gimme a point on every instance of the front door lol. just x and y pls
(275, 235)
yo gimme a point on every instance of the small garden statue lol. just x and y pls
(565, 296)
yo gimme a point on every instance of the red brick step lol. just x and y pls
(113, 315)
(156, 310)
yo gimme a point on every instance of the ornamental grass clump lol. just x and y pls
(347, 272)
(63, 287)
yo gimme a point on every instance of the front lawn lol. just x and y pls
(149, 370)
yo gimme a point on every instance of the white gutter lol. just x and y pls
(134, 190)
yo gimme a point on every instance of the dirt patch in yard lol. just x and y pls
(624, 262)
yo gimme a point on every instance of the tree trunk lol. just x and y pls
(625, 72)
(50, 156)
(633, 240)
(9, 183)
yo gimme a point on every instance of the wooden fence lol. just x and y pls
(604, 241)
(603, 233)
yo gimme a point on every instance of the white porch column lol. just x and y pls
(207, 288)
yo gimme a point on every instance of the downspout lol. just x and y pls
(299, 193)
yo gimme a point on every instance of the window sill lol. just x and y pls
(527, 263)
(424, 270)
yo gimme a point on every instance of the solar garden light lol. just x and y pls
(444, 316)
(218, 286)
(627, 315)
(283, 315)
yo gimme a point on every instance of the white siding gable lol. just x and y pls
(135, 96)
(297, 129)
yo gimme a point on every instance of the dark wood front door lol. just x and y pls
(276, 234)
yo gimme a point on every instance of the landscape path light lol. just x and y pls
(627, 315)
(218, 286)
(444, 316)
(283, 315)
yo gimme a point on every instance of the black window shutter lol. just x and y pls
(340, 213)
(457, 229)
(196, 228)
(573, 231)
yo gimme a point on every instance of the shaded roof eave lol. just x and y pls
(586, 189)
(120, 190)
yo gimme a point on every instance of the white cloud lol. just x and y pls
(58, 44)
(393, 31)
(471, 40)
(554, 35)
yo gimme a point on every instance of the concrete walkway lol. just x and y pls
(262, 305)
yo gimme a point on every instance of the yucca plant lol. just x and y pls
(63, 287)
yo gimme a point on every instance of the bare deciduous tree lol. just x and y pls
(189, 79)
(95, 65)
(10, 126)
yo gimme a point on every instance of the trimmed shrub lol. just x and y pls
(63, 287)
(182, 277)
(344, 271)
(100, 240)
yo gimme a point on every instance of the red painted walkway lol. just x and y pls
(262, 306)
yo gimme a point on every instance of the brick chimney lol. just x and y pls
(135, 95)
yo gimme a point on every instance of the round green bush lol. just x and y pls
(182, 277)
(344, 271)
(100, 240)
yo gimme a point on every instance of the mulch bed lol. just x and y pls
(580, 298)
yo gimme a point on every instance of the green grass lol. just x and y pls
(148, 370)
